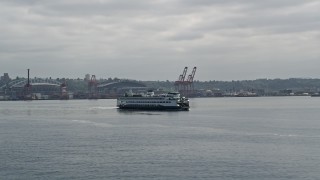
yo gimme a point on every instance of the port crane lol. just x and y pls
(92, 88)
(64, 91)
(186, 87)
(190, 79)
(179, 83)
(183, 75)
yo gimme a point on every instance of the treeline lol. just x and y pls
(295, 84)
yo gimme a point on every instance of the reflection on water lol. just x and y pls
(137, 112)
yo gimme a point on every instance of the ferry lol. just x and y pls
(149, 101)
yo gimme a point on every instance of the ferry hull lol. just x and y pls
(154, 108)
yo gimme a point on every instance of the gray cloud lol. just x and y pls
(243, 39)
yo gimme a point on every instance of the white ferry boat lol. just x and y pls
(169, 101)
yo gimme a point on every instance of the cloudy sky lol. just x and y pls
(156, 39)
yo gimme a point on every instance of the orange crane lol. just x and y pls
(64, 91)
(183, 75)
(185, 87)
(189, 82)
(191, 76)
(92, 88)
(179, 83)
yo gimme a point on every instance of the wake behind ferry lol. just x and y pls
(149, 101)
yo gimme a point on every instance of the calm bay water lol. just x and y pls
(219, 138)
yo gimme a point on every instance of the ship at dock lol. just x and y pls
(149, 101)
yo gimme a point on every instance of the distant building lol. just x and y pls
(285, 92)
(87, 77)
(5, 77)
(113, 89)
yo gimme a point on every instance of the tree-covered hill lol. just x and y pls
(295, 84)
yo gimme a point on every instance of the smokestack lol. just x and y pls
(28, 77)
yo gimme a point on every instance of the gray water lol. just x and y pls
(219, 138)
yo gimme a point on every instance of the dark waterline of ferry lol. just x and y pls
(219, 138)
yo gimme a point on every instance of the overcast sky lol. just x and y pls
(156, 39)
